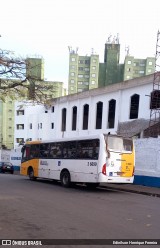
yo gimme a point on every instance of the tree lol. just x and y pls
(18, 79)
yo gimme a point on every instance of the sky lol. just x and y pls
(46, 28)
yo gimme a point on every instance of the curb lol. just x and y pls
(132, 191)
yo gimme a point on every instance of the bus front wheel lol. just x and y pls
(65, 179)
(31, 174)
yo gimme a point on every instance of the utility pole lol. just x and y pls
(155, 95)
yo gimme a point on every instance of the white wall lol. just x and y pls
(147, 157)
(121, 92)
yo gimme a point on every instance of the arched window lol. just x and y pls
(85, 116)
(74, 118)
(134, 107)
(155, 99)
(99, 115)
(64, 114)
(111, 113)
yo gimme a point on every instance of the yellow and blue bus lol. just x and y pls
(91, 160)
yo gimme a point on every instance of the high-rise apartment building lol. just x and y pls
(134, 68)
(7, 123)
(83, 72)
(110, 71)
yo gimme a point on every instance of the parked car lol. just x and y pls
(6, 167)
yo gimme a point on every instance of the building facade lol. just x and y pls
(134, 68)
(7, 123)
(86, 74)
(83, 72)
(90, 112)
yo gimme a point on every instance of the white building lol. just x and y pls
(99, 110)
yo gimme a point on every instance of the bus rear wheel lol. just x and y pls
(65, 179)
(31, 174)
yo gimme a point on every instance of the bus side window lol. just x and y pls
(88, 149)
(72, 154)
(44, 150)
(95, 149)
(34, 151)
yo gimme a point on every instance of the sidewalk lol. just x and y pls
(138, 189)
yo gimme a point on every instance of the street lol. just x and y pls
(45, 210)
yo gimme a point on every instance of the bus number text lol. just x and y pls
(92, 163)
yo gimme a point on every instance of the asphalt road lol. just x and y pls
(45, 210)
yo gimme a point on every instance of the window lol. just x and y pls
(34, 151)
(80, 68)
(99, 115)
(44, 150)
(72, 81)
(73, 59)
(111, 113)
(93, 68)
(155, 99)
(88, 149)
(73, 67)
(81, 61)
(74, 118)
(86, 76)
(52, 109)
(69, 149)
(86, 68)
(20, 126)
(20, 140)
(52, 125)
(80, 76)
(93, 75)
(141, 72)
(64, 113)
(40, 125)
(134, 106)
(86, 83)
(149, 70)
(72, 74)
(80, 83)
(56, 150)
(20, 112)
(128, 77)
(72, 88)
(87, 62)
(85, 116)
(93, 82)
(30, 126)
(129, 62)
(128, 69)
(80, 90)
(94, 60)
(150, 63)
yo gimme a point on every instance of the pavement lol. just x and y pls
(133, 188)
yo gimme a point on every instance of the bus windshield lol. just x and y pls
(119, 143)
